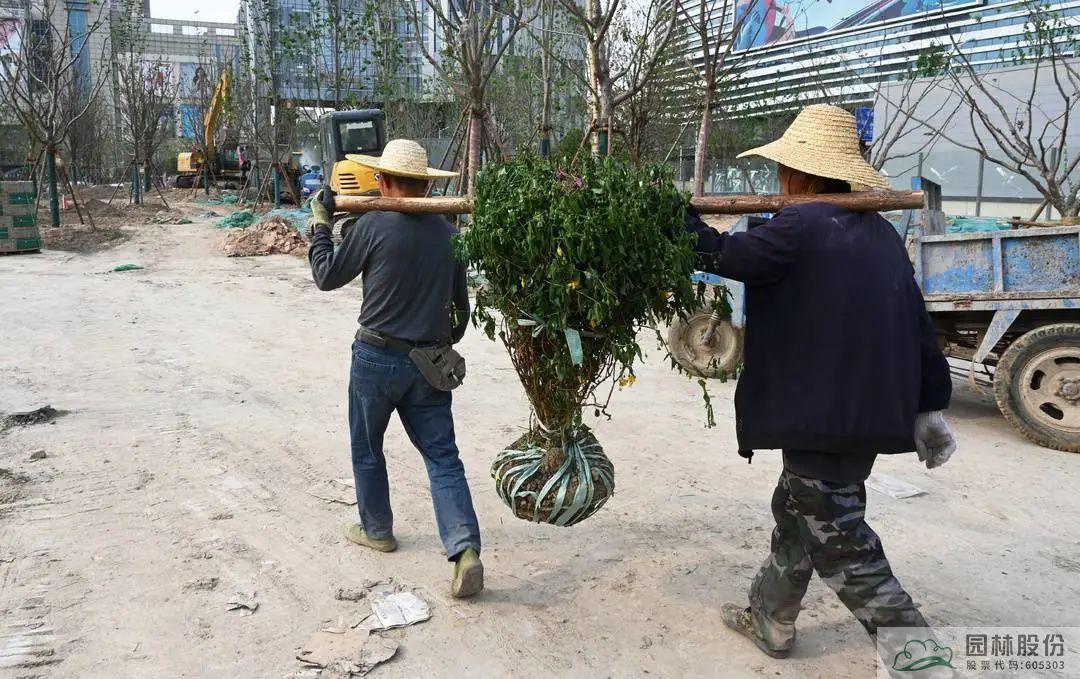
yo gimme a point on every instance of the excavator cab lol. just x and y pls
(348, 132)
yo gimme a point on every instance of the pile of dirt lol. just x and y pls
(82, 237)
(272, 236)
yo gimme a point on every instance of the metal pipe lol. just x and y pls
(862, 201)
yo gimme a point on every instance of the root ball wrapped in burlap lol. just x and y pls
(560, 482)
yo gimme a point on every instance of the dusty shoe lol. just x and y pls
(355, 533)
(468, 575)
(739, 619)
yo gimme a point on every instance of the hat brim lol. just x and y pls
(375, 163)
(843, 166)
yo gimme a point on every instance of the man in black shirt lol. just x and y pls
(415, 295)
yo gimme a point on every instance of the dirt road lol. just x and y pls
(207, 394)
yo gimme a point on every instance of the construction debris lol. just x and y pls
(39, 416)
(38, 455)
(342, 491)
(342, 656)
(273, 236)
(895, 488)
(167, 217)
(244, 602)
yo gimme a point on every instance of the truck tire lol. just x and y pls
(720, 359)
(1037, 386)
(185, 181)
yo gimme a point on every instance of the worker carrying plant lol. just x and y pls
(577, 259)
(415, 307)
(841, 364)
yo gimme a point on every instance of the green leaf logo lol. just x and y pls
(920, 655)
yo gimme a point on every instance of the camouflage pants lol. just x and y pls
(820, 526)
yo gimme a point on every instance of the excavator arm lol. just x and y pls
(213, 112)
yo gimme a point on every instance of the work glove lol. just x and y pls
(933, 440)
(322, 206)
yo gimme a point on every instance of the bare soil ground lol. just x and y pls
(207, 395)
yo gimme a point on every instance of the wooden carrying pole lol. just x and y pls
(863, 201)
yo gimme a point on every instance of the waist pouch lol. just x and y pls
(442, 367)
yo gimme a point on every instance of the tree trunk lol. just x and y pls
(475, 125)
(54, 195)
(700, 150)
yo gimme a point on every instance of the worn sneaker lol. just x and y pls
(468, 575)
(739, 619)
(355, 533)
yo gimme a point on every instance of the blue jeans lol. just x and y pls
(382, 381)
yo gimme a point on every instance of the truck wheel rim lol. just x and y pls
(1050, 388)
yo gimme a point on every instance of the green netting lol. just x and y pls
(975, 225)
(237, 220)
(126, 267)
(298, 218)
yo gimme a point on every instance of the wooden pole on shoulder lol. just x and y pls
(863, 201)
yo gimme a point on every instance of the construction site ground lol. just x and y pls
(205, 396)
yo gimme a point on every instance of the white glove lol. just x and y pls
(933, 440)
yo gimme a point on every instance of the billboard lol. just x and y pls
(771, 22)
(10, 35)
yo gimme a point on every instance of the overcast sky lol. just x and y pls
(200, 10)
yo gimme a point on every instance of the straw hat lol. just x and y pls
(822, 141)
(402, 158)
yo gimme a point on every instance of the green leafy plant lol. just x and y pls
(577, 259)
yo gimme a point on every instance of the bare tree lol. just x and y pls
(146, 91)
(475, 34)
(622, 52)
(1028, 131)
(717, 70)
(914, 95)
(39, 74)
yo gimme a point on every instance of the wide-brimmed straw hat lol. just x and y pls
(402, 158)
(823, 141)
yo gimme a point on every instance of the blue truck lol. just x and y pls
(1006, 305)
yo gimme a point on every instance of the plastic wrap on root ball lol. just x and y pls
(560, 484)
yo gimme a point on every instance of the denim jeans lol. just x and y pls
(382, 381)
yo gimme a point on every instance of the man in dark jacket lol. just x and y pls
(415, 295)
(841, 365)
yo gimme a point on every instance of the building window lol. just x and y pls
(194, 30)
(161, 28)
(225, 31)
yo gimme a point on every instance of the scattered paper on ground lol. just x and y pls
(892, 486)
(335, 490)
(244, 602)
(398, 609)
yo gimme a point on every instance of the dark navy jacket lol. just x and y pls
(840, 353)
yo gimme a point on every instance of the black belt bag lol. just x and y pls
(441, 366)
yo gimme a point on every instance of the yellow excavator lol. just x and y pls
(344, 133)
(224, 160)
(228, 162)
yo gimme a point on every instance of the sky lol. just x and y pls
(195, 10)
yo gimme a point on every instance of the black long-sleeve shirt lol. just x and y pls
(414, 288)
(840, 353)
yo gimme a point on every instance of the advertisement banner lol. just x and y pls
(10, 35)
(771, 22)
